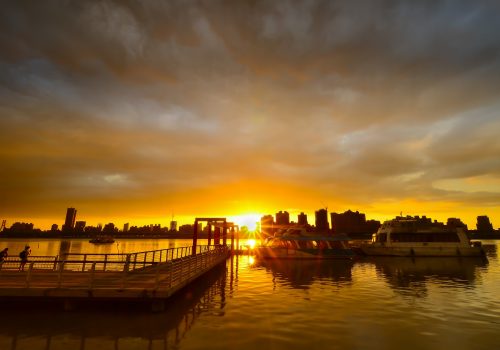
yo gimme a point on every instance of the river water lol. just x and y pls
(373, 303)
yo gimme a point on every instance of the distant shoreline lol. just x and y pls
(50, 235)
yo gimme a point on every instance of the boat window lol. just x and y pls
(382, 238)
(424, 237)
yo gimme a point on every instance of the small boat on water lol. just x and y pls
(297, 243)
(102, 240)
(419, 236)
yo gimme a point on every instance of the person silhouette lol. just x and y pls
(24, 257)
(3, 254)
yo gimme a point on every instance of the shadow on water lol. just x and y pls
(300, 274)
(45, 328)
(404, 273)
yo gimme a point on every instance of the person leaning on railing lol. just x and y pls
(24, 257)
(3, 254)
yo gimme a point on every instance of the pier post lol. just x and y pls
(224, 234)
(195, 236)
(92, 273)
(28, 276)
(59, 277)
(217, 235)
(232, 240)
(209, 234)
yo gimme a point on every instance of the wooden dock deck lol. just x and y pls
(152, 275)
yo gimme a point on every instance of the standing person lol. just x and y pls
(3, 254)
(24, 257)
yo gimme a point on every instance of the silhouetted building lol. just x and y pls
(321, 220)
(54, 227)
(80, 226)
(354, 224)
(186, 229)
(21, 227)
(109, 228)
(484, 224)
(282, 218)
(456, 223)
(302, 219)
(69, 223)
(173, 225)
(125, 227)
(267, 225)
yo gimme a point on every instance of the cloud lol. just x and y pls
(350, 102)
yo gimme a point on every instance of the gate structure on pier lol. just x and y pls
(221, 227)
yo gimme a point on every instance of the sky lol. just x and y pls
(137, 111)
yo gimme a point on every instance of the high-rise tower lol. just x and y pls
(69, 223)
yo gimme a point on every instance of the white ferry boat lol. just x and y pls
(297, 243)
(415, 236)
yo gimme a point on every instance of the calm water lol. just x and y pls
(389, 303)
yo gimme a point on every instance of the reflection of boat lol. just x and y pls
(297, 243)
(102, 240)
(415, 236)
(414, 273)
(302, 273)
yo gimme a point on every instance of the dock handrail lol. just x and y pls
(108, 275)
(106, 261)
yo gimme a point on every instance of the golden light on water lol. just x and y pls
(251, 260)
(251, 243)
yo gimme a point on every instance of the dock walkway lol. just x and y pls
(151, 275)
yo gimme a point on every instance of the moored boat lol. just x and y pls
(419, 236)
(102, 240)
(297, 243)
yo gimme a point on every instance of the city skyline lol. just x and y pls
(322, 220)
(129, 110)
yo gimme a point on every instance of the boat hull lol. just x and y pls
(421, 251)
(283, 253)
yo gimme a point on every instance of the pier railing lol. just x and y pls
(156, 271)
(106, 261)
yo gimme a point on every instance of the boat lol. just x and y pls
(298, 243)
(419, 236)
(102, 240)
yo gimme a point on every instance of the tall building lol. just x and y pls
(173, 225)
(125, 227)
(484, 224)
(354, 224)
(321, 220)
(282, 218)
(69, 223)
(302, 219)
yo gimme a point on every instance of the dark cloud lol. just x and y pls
(355, 102)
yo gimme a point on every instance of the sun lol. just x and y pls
(249, 220)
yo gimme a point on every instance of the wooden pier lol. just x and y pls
(146, 276)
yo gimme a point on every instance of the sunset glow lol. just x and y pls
(248, 220)
(241, 108)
